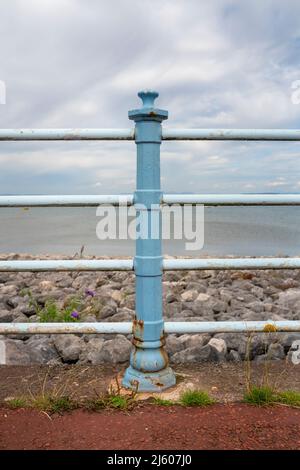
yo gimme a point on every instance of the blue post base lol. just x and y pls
(148, 381)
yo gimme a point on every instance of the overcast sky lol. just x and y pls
(80, 63)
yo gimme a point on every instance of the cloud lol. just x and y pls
(70, 63)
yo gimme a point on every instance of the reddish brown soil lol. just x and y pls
(234, 426)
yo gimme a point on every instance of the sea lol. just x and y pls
(237, 231)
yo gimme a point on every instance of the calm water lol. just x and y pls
(228, 231)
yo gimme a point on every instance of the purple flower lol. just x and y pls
(75, 314)
(90, 292)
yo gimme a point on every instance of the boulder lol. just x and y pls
(116, 350)
(190, 295)
(92, 351)
(68, 347)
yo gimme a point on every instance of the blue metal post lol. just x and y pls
(148, 370)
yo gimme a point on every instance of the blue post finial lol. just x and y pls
(148, 97)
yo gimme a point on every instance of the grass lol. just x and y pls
(290, 398)
(47, 403)
(15, 403)
(259, 396)
(112, 400)
(266, 396)
(108, 401)
(52, 404)
(161, 402)
(195, 398)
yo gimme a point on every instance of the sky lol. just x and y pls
(215, 64)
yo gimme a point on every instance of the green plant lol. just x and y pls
(263, 396)
(18, 402)
(72, 310)
(163, 402)
(289, 397)
(195, 398)
(47, 403)
(113, 399)
(110, 401)
(260, 396)
(52, 404)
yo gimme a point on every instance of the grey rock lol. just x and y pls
(256, 306)
(173, 344)
(172, 276)
(218, 306)
(183, 314)
(275, 351)
(255, 345)
(15, 352)
(289, 297)
(92, 352)
(203, 297)
(225, 295)
(172, 309)
(199, 286)
(170, 297)
(265, 358)
(288, 339)
(90, 318)
(10, 289)
(68, 347)
(201, 309)
(106, 311)
(42, 351)
(233, 356)
(197, 340)
(4, 277)
(219, 348)
(116, 350)
(128, 301)
(123, 315)
(6, 316)
(13, 302)
(258, 292)
(198, 354)
(233, 340)
(189, 295)
(28, 311)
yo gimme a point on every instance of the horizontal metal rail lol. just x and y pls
(232, 326)
(128, 200)
(167, 264)
(167, 134)
(233, 199)
(67, 265)
(231, 263)
(231, 134)
(66, 200)
(170, 327)
(66, 134)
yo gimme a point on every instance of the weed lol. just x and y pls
(162, 402)
(263, 396)
(18, 402)
(260, 396)
(289, 397)
(195, 398)
(72, 310)
(113, 400)
(52, 404)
